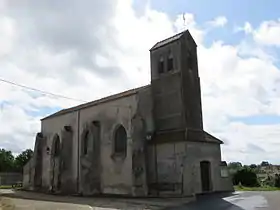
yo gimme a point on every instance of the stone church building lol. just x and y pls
(147, 141)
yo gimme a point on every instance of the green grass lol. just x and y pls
(5, 186)
(9, 187)
(263, 188)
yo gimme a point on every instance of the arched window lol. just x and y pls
(120, 139)
(161, 65)
(56, 146)
(85, 143)
(170, 61)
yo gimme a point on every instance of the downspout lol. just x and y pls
(78, 161)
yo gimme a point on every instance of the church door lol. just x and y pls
(205, 171)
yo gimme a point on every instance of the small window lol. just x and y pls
(85, 143)
(161, 66)
(56, 146)
(170, 63)
(120, 141)
(224, 172)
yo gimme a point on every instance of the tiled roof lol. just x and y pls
(99, 101)
(212, 138)
(168, 40)
(193, 135)
(201, 135)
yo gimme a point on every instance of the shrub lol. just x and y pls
(270, 181)
(246, 177)
(277, 180)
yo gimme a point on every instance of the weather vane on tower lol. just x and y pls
(184, 19)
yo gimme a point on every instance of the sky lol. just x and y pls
(97, 48)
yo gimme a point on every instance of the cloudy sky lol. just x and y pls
(90, 49)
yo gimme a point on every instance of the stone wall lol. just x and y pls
(7, 178)
(28, 175)
(115, 172)
(202, 151)
(166, 88)
(107, 174)
(66, 160)
(165, 168)
(91, 162)
(50, 128)
(174, 168)
(176, 93)
(191, 90)
(142, 130)
(37, 170)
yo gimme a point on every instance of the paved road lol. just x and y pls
(237, 201)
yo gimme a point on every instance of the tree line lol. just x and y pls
(11, 163)
(250, 175)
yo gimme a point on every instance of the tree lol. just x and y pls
(269, 181)
(253, 166)
(247, 177)
(22, 159)
(234, 167)
(235, 164)
(6, 161)
(277, 180)
(265, 163)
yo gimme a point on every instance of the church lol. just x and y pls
(147, 141)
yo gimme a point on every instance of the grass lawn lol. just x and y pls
(5, 186)
(264, 188)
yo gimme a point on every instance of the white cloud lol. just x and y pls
(16, 128)
(268, 33)
(219, 21)
(252, 144)
(7, 35)
(247, 28)
(96, 49)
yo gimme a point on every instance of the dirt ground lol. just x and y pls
(18, 204)
(232, 201)
(29, 200)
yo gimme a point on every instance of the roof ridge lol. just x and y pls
(97, 101)
(178, 35)
(172, 36)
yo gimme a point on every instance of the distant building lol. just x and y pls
(145, 141)
(271, 170)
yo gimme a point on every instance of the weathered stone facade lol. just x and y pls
(145, 141)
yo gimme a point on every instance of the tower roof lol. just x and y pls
(170, 39)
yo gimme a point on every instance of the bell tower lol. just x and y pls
(176, 84)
